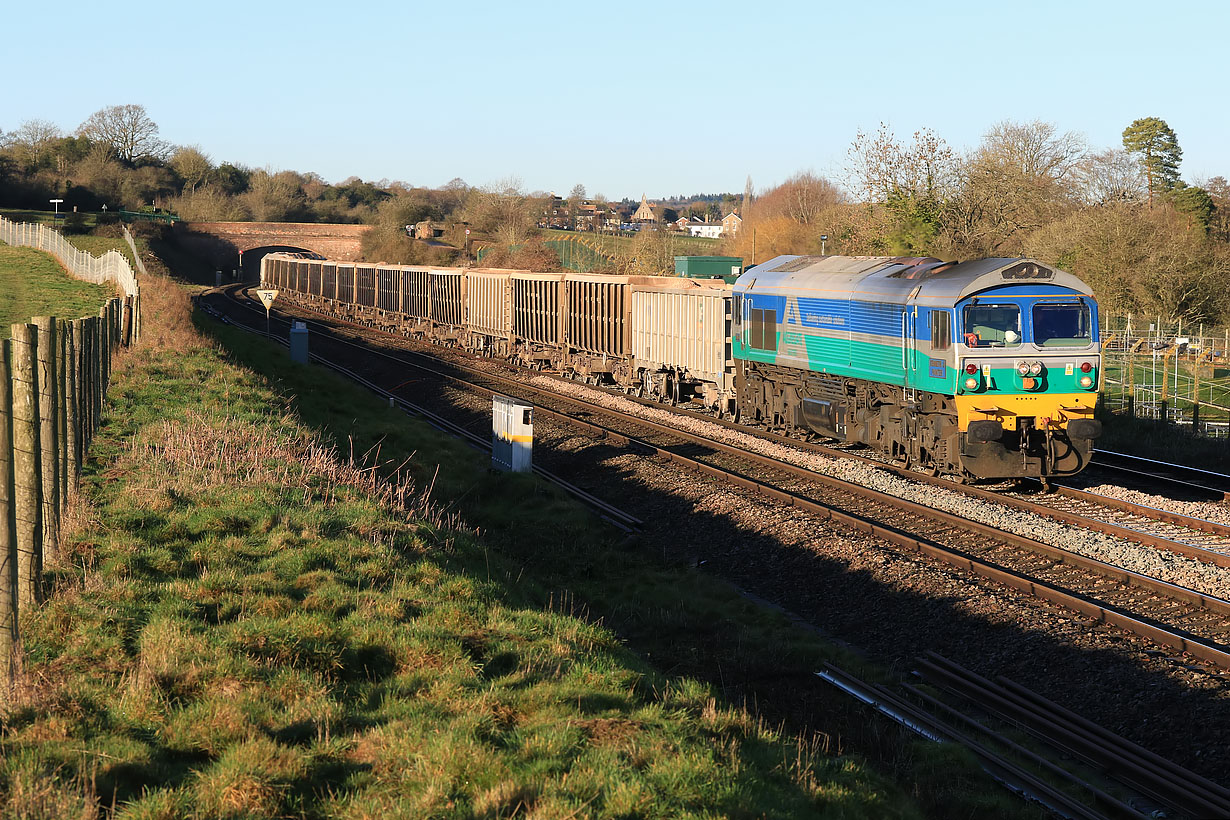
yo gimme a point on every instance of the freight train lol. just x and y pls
(981, 369)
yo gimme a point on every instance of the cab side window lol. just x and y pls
(763, 329)
(941, 330)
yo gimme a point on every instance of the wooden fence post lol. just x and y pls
(27, 467)
(8, 523)
(98, 345)
(104, 319)
(62, 399)
(126, 334)
(48, 402)
(72, 408)
(87, 396)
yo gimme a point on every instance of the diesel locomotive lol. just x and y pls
(980, 369)
(984, 369)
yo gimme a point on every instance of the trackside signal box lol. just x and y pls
(512, 434)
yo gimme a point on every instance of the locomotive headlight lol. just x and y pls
(1086, 382)
(971, 383)
(1022, 368)
(1035, 369)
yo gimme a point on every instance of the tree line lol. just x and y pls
(1120, 218)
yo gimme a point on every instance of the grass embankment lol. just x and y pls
(246, 625)
(33, 283)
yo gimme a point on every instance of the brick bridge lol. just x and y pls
(225, 244)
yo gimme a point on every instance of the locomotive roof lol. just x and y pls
(897, 279)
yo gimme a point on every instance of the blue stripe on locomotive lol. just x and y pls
(862, 339)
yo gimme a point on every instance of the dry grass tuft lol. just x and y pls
(249, 780)
(39, 795)
(166, 316)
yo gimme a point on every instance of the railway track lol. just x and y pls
(1149, 472)
(1180, 619)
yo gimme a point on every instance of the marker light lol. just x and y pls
(1086, 367)
(971, 383)
(1023, 368)
(1029, 383)
(971, 369)
(1035, 369)
(1086, 382)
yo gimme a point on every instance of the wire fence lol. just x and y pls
(1167, 370)
(54, 375)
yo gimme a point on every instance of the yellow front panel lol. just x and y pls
(1060, 408)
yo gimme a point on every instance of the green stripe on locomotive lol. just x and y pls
(1006, 381)
(842, 353)
(855, 359)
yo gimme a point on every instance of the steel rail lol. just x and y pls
(1136, 767)
(924, 724)
(1220, 491)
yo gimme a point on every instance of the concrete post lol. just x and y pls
(8, 523)
(27, 466)
(48, 404)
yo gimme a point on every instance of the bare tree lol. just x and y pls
(1019, 178)
(33, 143)
(1111, 176)
(503, 210)
(274, 197)
(881, 168)
(127, 130)
(193, 166)
(1033, 150)
(1140, 259)
(804, 196)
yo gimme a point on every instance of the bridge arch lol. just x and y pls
(224, 243)
(252, 257)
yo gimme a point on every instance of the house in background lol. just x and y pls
(645, 213)
(731, 223)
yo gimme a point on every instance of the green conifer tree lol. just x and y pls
(1158, 148)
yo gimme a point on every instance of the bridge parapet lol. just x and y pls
(222, 242)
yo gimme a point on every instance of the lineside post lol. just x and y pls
(48, 402)
(27, 466)
(62, 399)
(72, 407)
(8, 523)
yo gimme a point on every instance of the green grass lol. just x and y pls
(615, 245)
(247, 625)
(98, 245)
(48, 218)
(32, 283)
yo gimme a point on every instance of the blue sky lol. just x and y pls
(624, 98)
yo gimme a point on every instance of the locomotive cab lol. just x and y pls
(1029, 376)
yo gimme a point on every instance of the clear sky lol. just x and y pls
(662, 98)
